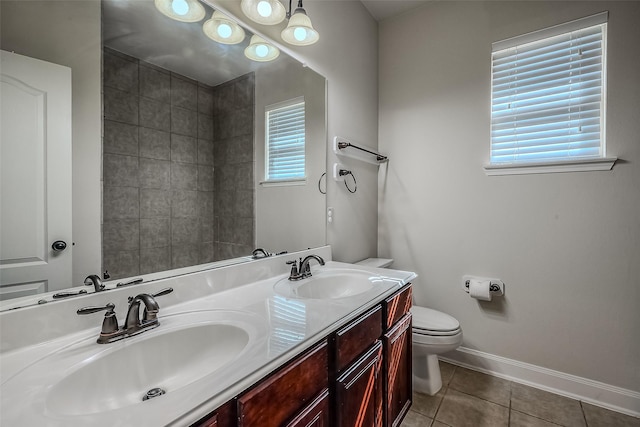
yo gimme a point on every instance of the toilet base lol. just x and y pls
(426, 374)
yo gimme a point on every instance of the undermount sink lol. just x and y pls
(332, 283)
(86, 378)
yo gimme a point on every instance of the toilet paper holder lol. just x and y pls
(496, 286)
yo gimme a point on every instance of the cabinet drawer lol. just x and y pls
(352, 340)
(396, 306)
(281, 396)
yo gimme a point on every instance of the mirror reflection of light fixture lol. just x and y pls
(222, 29)
(299, 31)
(266, 12)
(261, 51)
(181, 10)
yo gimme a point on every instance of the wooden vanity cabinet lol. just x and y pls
(360, 376)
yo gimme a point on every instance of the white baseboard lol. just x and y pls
(596, 393)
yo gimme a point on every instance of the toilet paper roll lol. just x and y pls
(479, 289)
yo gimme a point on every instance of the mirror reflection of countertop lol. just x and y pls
(207, 349)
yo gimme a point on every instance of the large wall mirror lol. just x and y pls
(165, 153)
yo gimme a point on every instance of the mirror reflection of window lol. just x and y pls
(288, 323)
(285, 141)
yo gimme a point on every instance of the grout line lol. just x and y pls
(584, 416)
(538, 418)
(510, 395)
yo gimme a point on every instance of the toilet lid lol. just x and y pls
(430, 320)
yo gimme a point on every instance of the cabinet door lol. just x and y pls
(397, 362)
(314, 415)
(359, 391)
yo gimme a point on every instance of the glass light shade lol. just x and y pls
(222, 29)
(181, 10)
(266, 12)
(260, 50)
(300, 32)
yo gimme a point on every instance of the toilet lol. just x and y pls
(433, 333)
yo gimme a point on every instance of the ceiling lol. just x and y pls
(383, 9)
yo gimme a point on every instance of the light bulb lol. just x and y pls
(300, 34)
(224, 31)
(264, 9)
(262, 51)
(180, 7)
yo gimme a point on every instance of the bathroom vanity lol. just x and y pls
(236, 346)
(359, 375)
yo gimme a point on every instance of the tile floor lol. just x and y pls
(472, 399)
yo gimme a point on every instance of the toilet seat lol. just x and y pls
(433, 323)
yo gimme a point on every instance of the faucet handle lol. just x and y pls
(109, 324)
(163, 292)
(90, 310)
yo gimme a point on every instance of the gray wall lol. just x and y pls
(40, 29)
(159, 150)
(299, 209)
(567, 245)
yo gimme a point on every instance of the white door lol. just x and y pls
(35, 176)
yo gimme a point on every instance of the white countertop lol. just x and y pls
(29, 373)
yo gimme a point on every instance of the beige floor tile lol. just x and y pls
(600, 417)
(446, 371)
(545, 405)
(414, 419)
(425, 404)
(518, 419)
(462, 410)
(439, 424)
(484, 386)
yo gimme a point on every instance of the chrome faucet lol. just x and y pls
(304, 270)
(94, 280)
(133, 324)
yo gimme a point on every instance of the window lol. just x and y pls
(548, 98)
(285, 135)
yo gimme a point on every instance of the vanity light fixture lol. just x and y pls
(222, 29)
(260, 50)
(299, 31)
(181, 10)
(266, 12)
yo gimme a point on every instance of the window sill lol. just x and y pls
(601, 164)
(284, 182)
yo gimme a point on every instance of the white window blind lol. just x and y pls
(548, 93)
(285, 136)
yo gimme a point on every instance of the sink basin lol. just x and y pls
(166, 361)
(329, 284)
(85, 379)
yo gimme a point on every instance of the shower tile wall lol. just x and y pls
(234, 188)
(159, 183)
